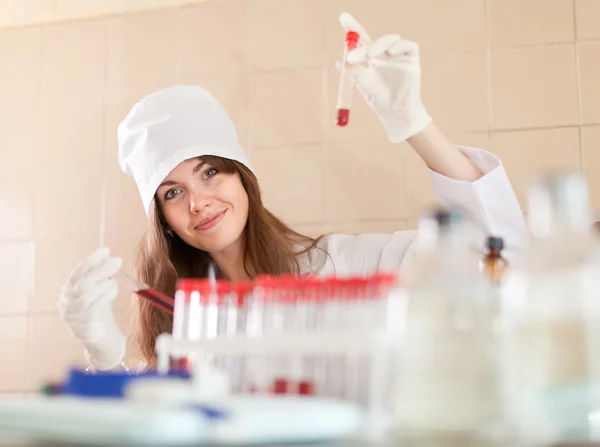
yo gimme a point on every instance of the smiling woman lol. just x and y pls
(196, 197)
(207, 203)
(204, 204)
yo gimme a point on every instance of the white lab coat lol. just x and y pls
(490, 203)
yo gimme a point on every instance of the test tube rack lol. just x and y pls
(338, 337)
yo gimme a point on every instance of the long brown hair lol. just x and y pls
(271, 248)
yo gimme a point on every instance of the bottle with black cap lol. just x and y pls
(493, 265)
(447, 382)
(551, 305)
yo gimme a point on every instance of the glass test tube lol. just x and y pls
(186, 322)
(318, 292)
(372, 299)
(374, 294)
(335, 322)
(220, 319)
(293, 318)
(268, 288)
(345, 87)
(211, 301)
(223, 291)
(357, 315)
(236, 325)
(254, 313)
(153, 296)
(307, 386)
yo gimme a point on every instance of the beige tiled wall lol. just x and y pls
(519, 77)
(35, 12)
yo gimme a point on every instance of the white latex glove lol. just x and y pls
(387, 72)
(85, 304)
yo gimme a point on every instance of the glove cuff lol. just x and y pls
(107, 352)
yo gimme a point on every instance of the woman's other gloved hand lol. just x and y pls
(85, 304)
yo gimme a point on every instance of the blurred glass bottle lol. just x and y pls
(550, 302)
(447, 386)
(493, 265)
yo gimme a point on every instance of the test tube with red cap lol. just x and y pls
(282, 300)
(306, 289)
(256, 317)
(346, 87)
(225, 299)
(296, 314)
(211, 302)
(187, 320)
(319, 290)
(224, 291)
(236, 326)
(333, 321)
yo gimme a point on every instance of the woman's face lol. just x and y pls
(207, 209)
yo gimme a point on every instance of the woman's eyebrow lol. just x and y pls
(167, 183)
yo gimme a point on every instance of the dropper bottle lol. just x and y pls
(493, 265)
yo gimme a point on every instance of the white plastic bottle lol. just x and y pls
(447, 386)
(551, 299)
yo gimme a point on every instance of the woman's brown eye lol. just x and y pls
(210, 173)
(172, 193)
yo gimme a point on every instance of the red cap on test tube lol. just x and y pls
(383, 283)
(289, 286)
(241, 289)
(312, 288)
(203, 286)
(264, 286)
(192, 284)
(352, 39)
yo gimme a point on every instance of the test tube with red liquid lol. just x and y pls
(346, 87)
(255, 366)
(143, 290)
(307, 386)
(294, 316)
(331, 319)
(236, 326)
(275, 323)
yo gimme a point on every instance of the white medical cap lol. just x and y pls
(170, 126)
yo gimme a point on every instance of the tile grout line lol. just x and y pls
(104, 190)
(325, 127)
(488, 57)
(435, 54)
(248, 77)
(452, 134)
(28, 340)
(578, 82)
